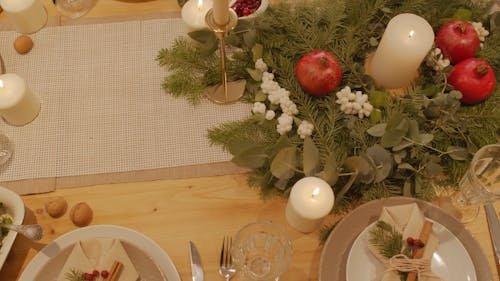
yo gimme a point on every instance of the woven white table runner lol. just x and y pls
(103, 108)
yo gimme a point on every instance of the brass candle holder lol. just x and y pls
(227, 92)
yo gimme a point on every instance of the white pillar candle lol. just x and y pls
(311, 199)
(221, 12)
(18, 105)
(193, 14)
(27, 16)
(405, 43)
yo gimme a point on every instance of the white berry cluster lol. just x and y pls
(481, 31)
(354, 103)
(436, 60)
(277, 95)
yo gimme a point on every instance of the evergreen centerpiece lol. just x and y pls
(406, 144)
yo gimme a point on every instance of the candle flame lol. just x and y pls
(412, 32)
(1, 83)
(315, 192)
(200, 4)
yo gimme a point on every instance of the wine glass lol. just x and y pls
(480, 185)
(74, 8)
(262, 251)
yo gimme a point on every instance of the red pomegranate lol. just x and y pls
(318, 73)
(457, 40)
(474, 78)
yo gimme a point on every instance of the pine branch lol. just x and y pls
(387, 239)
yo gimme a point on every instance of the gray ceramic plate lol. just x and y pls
(152, 263)
(336, 250)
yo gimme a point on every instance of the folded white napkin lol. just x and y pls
(99, 254)
(408, 220)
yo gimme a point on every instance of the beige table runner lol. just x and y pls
(104, 116)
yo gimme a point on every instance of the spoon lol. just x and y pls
(31, 231)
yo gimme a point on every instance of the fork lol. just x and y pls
(226, 268)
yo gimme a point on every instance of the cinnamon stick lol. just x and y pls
(114, 272)
(424, 237)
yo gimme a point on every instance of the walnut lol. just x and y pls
(81, 214)
(56, 207)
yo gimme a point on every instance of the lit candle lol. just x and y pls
(405, 43)
(18, 105)
(27, 16)
(193, 14)
(221, 12)
(311, 199)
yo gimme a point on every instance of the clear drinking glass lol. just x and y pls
(480, 184)
(74, 8)
(262, 251)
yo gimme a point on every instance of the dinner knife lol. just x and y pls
(494, 226)
(196, 267)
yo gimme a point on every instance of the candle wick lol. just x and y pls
(315, 192)
(200, 4)
(412, 32)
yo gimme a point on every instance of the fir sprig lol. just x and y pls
(74, 275)
(387, 240)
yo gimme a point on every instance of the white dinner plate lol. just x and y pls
(152, 263)
(450, 261)
(335, 253)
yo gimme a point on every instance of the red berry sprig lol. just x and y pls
(415, 242)
(245, 7)
(91, 276)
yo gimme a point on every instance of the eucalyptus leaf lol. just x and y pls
(257, 51)
(284, 164)
(413, 131)
(255, 74)
(377, 130)
(407, 189)
(424, 139)
(253, 158)
(249, 38)
(238, 146)
(433, 169)
(330, 173)
(396, 129)
(394, 136)
(383, 161)
(404, 144)
(457, 153)
(373, 41)
(406, 166)
(310, 157)
(360, 166)
(463, 14)
(418, 184)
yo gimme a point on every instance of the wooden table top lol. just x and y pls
(173, 212)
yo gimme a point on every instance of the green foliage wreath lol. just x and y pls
(415, 141)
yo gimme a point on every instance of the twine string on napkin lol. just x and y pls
(403, 263)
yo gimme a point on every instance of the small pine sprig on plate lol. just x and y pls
(74, 275)
(386, 239)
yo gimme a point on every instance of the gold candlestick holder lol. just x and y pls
(227, 92)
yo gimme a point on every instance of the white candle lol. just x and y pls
(405, 43)
(27, 16)
(221, 12)
(193, 14)
(18, 105)
(311, 199)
